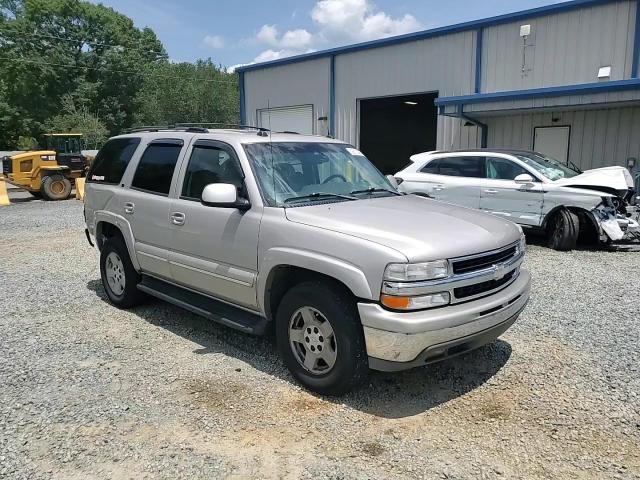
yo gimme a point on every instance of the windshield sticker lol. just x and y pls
(355, 152)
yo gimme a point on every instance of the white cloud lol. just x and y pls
(292, 39)
(337, 21)
(213, 41)
(358, 20)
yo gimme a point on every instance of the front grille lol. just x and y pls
(484, 261)
(479, 288)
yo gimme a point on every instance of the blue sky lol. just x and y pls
(234, 32)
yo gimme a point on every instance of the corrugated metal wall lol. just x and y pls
(598, 137)
(442, 64)
(566, 48)
(304, 83)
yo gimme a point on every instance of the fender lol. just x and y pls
(124, 227)
(345, 272)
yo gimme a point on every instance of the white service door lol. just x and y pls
(552, 141)
(297, 119)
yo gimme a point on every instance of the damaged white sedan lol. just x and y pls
(533, 190)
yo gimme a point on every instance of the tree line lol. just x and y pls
(71, 65)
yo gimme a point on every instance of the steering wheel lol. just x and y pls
(337, 175)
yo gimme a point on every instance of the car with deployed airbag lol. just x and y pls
(533, 190)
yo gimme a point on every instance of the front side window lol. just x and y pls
(112, 160)
(472, 167)
(503, 169)
(156, 167)
(297, 172)
(547, 166)
(209, 164)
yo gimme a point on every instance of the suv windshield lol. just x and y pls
(297, 172)
(547, 166)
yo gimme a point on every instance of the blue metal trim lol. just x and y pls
(243, 114)
(579, 89)
(435, 32)
(479, 38)
(332, 96)
(636, 43)
(484, 128)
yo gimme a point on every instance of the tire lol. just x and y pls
(563, 230)
(307, 306)
(119, 278)
(55, 187)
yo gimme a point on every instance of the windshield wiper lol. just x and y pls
(374, 190)
(315, 195)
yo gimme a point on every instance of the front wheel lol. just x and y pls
(55, 187)
(320, 338)
(563, 230)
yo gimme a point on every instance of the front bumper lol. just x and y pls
(402, 340)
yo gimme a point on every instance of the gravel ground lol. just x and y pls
(89, 391)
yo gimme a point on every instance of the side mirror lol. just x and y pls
(524, 179)
(223, 195)
(395, 181)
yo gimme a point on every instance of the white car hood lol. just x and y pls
(617, 178)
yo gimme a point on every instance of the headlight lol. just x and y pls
(410, 272)
(522, 245)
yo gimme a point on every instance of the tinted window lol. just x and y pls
(503, 169)
(209, 165)
(112, 160)
(457, 167)
(156, 167)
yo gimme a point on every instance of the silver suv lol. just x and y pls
(303, 234)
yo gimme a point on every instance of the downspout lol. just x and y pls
(243, 117)
(332, 96)
(484, 128)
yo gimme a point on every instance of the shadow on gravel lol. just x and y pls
(388, 395)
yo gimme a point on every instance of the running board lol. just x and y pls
(204, 306)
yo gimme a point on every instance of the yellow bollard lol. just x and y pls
(4, 197)
(80, 189)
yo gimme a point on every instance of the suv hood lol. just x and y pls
(420, 228)
(616, 178)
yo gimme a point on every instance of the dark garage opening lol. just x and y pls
(394, 128)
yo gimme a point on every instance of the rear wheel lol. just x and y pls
(119, 278)
(563, 230)
(56, 187)
(320, 338)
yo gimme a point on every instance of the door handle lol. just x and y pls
(492, 191)
(178, 218)
(129, 207)
(438, 188)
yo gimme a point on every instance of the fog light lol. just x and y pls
(415, 303)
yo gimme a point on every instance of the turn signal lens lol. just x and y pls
(415, 303)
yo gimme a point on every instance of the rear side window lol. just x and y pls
(112, 160)
(156, 167)
(471, 167)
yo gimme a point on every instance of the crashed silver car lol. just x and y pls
(533, 190)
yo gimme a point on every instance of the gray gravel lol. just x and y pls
(89, 391)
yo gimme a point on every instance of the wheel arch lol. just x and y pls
(109, 225)
(283, 276)
(588, 227)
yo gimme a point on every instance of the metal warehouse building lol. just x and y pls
(561, 79)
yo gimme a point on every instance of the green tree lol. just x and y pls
(78, 120)
(53, 48)
(188, 92)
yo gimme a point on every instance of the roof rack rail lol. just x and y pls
(157, 128)
(196, 127)
(223, 124)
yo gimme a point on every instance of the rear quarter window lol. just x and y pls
(112, 160)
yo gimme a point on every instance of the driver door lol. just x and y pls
(214, 249)
(502, 196)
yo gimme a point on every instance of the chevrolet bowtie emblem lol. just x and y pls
(500, 271)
